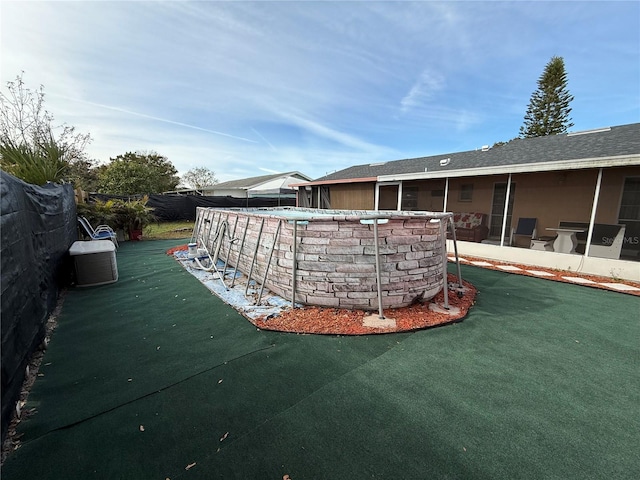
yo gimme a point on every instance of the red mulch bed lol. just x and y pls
(334, 321)
(558, 274)
(179, 248)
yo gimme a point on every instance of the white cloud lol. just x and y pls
(264, 139)
(422, 91)
(326, 132)
(165, 120)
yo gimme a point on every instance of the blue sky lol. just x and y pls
(252, 88)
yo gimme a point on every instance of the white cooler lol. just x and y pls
(95, 262)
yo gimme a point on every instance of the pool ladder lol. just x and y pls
(221, 230)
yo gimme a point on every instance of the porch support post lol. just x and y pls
(446, 194)
(399, 205)
(376, 199)
(506, 211)
(594, 208)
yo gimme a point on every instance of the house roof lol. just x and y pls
(253, 182)
(604, 147)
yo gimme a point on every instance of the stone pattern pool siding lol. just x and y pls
(336, 262)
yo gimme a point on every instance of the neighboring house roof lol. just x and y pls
(604, 147)
(253, 183)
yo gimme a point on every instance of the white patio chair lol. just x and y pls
(101, 232)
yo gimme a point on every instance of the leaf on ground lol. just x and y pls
(224, 436)
(142, 428)
(190, 466)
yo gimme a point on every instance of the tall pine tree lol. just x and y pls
(548, 110)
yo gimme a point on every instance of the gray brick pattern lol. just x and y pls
(336, 265)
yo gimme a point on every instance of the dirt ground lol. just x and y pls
(12, 441)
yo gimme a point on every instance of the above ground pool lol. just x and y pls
(355, 259)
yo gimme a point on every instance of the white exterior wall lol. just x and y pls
(622, 269)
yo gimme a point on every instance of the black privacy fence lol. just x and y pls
(170, 207)
(37, 227)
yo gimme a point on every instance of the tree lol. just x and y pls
(31, 147)
(83, 174)
(137, 173)
(199, 178)
(548, 110)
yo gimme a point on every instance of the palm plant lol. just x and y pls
(36, 168)
(31, 147)
(134, 215)
(99, 212)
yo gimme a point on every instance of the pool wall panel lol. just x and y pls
(336, 263)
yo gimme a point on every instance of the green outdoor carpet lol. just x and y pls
(139, 335)
(541, 380)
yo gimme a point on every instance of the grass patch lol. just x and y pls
(168, 230)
